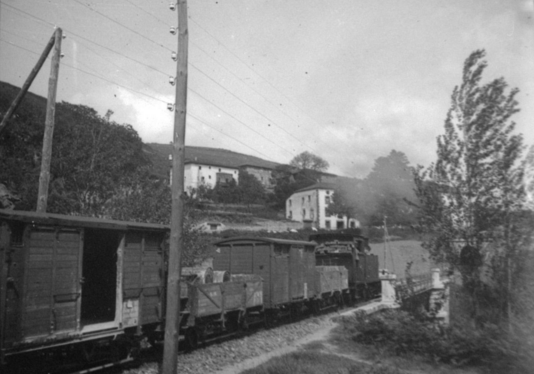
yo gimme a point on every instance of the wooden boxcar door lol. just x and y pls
(297, 272)
(280, 277)
(260, 263)
(51, 283)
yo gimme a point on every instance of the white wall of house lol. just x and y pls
(198, 174)
(311, 205)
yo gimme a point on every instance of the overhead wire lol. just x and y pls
(189, 114)
(198, 69)
(89, 73)
(122, 25)
(218, 62)
(258, 74)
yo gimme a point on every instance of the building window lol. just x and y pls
(303, 213)
(328, 192)
(210, 167)
(312, 216)
(235, 171)
(200, 168)
(327, 199)
(209, 177)
(327, 224)
(289, 202)
(290, 216)
(309, 198)
(202, 179)
(303, 200)
(219, 170)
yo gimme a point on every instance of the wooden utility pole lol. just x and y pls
(172, 326)
(15, 104)
(46, 157)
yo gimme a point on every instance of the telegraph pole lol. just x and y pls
(46, 157)
(172, 325)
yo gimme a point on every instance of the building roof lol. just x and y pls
(215, 157)
(76, 221)
(318, 186)
(265, 240)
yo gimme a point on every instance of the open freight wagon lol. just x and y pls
(77, 287)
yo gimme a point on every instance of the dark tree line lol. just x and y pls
(98, 168)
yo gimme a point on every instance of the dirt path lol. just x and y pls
(321, 334)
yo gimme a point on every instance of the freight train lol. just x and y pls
(85, 291)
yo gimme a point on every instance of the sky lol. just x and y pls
(346, 80)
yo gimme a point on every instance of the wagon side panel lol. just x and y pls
(152, 279)
(280, 276)
(262, 267)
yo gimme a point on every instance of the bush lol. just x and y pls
(401, 333)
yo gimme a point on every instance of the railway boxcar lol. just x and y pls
(287, 268)
(350, 251)
(77, 286)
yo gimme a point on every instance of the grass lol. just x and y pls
(317, 363)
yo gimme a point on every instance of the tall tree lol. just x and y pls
(473, 192)
(307, 160)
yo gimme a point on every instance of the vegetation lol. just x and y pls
(287, 180)
(474, 195)
(99, 168)
(309, 161)
(394, 332)
(249, 191)
(317, 363)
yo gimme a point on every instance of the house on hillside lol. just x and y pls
(209, 166)
(309, 205)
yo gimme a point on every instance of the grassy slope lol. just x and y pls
(399, 253)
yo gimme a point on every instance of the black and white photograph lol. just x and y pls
(266, 187)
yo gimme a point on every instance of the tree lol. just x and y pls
(250, 189)
(387, 188)
(307, 160)
(287, 179)
(474, 191)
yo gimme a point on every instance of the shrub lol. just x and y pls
(401, 333)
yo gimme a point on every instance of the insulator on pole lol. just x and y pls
(174, 56)
(172, 81)
(170, 106)
(173, 30)
(172, 6)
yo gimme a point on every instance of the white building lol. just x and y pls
(207, 166)
(309, 204)
(197, 174)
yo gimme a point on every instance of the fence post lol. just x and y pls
(388, 289)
